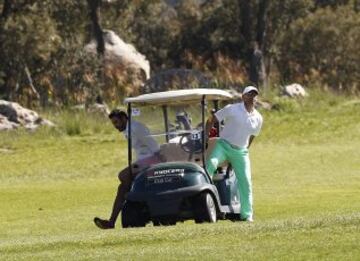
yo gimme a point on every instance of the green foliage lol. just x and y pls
(28, 40)
(214, 28)
(285, 104)
(331, 3)
(286, 13)
(72, 125)
(309, 40)
(157, 30)
(2, 75)
(315, 49)
(30, 37)
(317, 119)
(80, 123)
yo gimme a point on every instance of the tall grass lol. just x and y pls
(317, 118)
(78, 122)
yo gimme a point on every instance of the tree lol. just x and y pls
(94, 6)
(314, 49)
(28, 39)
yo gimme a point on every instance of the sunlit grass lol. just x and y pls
(306, 179)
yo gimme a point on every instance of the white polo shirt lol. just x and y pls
(239, 124)
(143, 144)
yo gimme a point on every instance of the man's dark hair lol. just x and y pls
(117, 114)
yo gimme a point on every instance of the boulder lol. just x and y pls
(8, 111)
(117, 51)
(294, 90)
(5, 124)
(13, 115)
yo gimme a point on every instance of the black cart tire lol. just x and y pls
(132, 215)
(205, 208)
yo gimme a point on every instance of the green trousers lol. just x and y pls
(239, 159)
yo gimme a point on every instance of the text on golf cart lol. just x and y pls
(168, 171)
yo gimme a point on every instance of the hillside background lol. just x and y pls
(232, 42)
(305, 163)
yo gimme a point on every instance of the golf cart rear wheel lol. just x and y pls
(133, 215)
(204, 208)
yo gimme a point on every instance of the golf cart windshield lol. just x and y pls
(176, 121)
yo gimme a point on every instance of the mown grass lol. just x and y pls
(306, 175)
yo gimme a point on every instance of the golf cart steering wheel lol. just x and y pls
(191, 143)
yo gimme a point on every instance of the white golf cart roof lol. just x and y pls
(179, 97)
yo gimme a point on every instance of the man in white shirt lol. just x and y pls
(242, 123)
(147, 153)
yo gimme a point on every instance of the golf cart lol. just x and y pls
(179, 188)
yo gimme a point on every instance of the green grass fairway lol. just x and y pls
(306, 176)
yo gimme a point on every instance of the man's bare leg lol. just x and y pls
(124, 187)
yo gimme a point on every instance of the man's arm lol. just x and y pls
(252, 137)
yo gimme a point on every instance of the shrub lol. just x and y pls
(285, 104)
(324, 48)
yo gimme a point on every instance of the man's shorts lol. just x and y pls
(148, 161)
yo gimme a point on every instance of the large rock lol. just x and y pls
(5, 124)
(116, 50)
(295, 90)
(13, 115)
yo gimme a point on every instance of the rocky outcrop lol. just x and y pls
(13, 116)
(117, 51)
(5, 124)
(294, 90)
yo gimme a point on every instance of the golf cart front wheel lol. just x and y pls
(205, 208)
